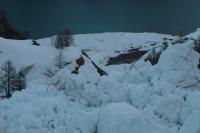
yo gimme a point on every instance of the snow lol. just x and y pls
(172, 111)
(137, 97)
(124, 118)
(22, 54)
(192, 100)
(2, 125)
(192, 124)
(49, 111)
(138, 93)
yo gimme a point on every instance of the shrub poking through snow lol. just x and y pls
(27, 69)
(50, 72)
(34, 42)
(21, 77)
(20, 82)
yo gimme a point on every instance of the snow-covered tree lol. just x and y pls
(8, 79)
(63, 39)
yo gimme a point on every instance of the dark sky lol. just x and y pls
(45, 17)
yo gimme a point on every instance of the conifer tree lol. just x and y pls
(8, 79)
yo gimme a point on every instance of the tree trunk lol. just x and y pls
(60, 58)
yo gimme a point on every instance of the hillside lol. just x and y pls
(136, 95)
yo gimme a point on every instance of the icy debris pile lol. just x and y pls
(42, 108)
(89, 89)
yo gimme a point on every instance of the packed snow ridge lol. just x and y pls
(136, 97)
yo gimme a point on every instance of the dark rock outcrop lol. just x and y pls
(80, 61)
(126, 58)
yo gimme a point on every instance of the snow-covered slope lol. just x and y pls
(98, 46)
(132, 98)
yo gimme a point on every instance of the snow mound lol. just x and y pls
(192, 100)
(42, 108)
(169, 108)
(178, 64)
(140, 95)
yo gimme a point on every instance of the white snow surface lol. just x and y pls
(133, 98)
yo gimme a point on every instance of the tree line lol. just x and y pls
(7, 31)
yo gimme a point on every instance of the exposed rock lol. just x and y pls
(99, 70)
(80, 61)
(126, 58)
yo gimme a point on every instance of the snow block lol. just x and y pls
(140, 95)
(192, 124)
(169, 108)
(193, 100)
(179, 63)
